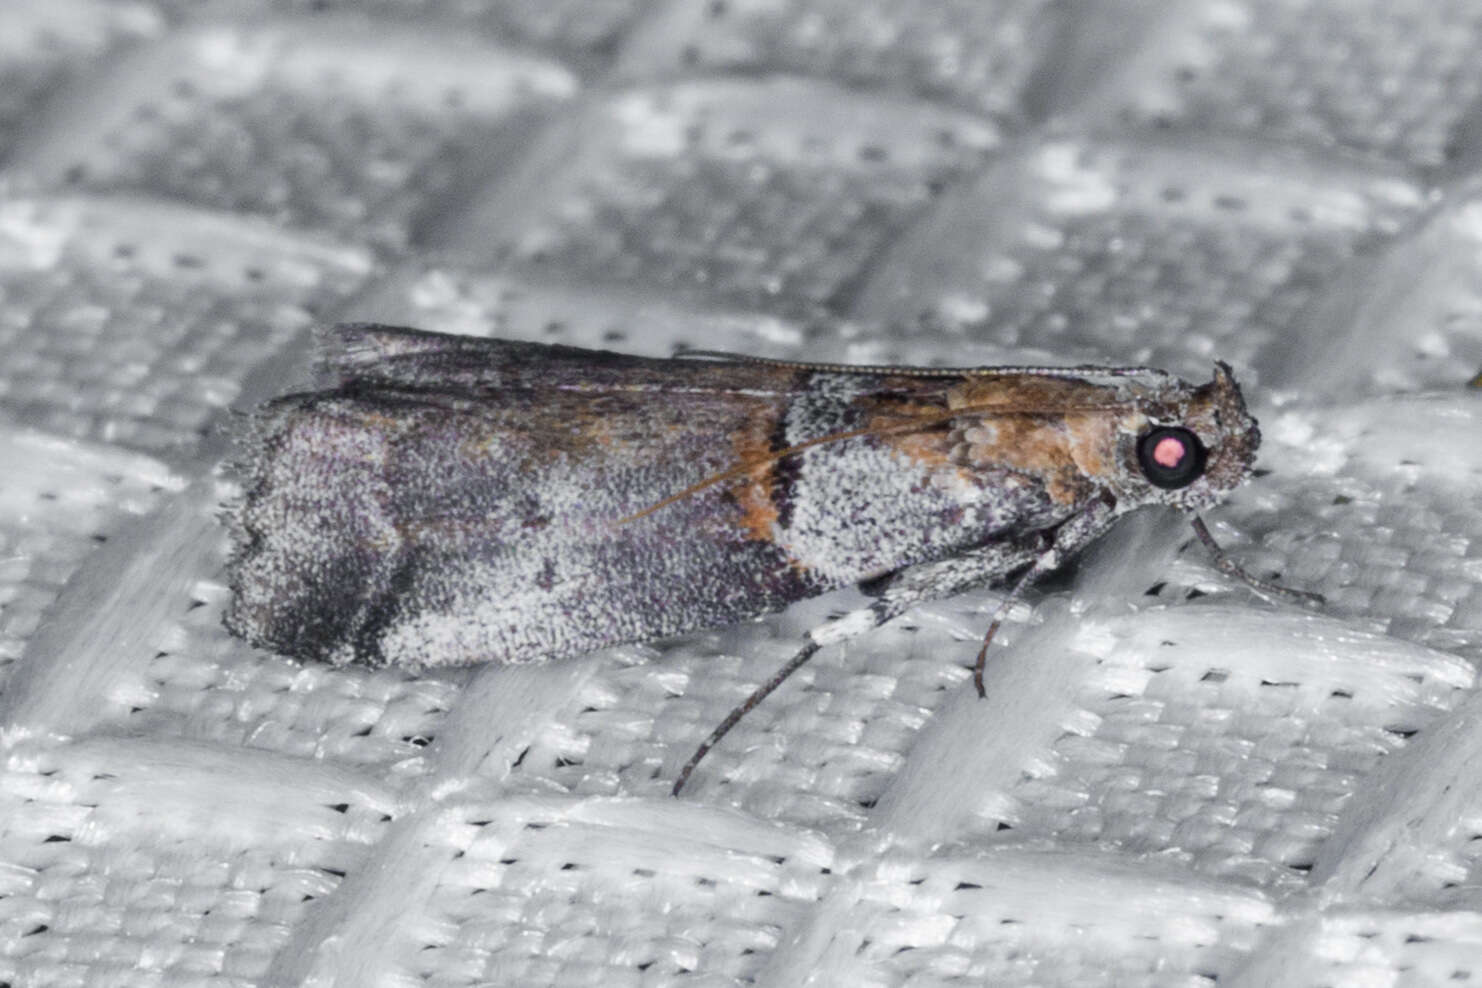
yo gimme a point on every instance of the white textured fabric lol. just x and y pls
(1171, 781)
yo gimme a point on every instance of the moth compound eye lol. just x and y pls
(1170, 457)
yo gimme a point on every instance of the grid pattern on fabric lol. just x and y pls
(130, 323)
(1171, 781)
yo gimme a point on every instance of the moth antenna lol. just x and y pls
(1032, 370)
(741, 469)
(1230, 567)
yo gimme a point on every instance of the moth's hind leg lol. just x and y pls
(893, 594)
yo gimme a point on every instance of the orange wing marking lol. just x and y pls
(742, 469)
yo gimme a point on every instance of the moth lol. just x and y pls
(447, 499)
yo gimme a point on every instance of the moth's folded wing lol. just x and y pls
(368, 355)
(398, 525)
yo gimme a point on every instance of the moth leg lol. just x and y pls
(734, 717)
(1071, 536)
(893, 595)
(1230, 567)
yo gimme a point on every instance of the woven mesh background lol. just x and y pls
(1170, 783)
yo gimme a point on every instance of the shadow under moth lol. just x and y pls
(450, 500)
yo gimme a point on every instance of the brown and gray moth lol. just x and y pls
(450, 499)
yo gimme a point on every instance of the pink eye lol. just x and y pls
(1169, 452)
(1170, 456)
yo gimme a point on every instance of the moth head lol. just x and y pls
(1194, 444)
